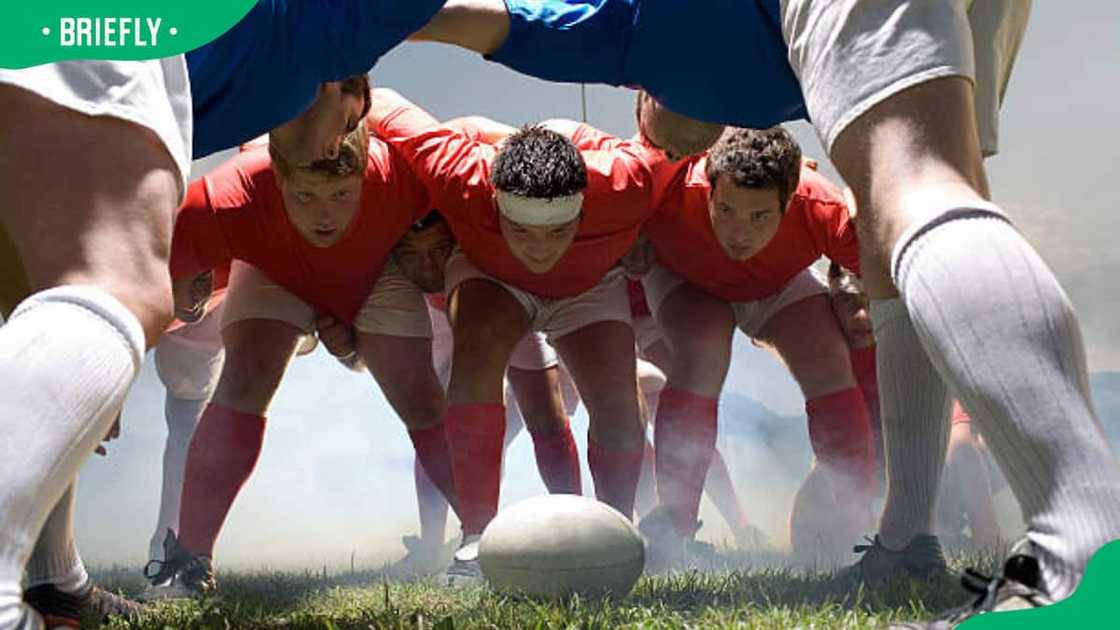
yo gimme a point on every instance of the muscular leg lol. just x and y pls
(601, 359)
(810, 342)
(990, 314)
(227, 442)
(698, 328)
(487, 322)
(402, 367)
(542, 409)
(95, 253)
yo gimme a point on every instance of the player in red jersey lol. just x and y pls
(541, 227)
(322, 234)
(539, 394)
(736, 233)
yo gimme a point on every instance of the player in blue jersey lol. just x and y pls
(93, 252)
(905, 96)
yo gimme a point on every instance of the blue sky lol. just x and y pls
(335, 475)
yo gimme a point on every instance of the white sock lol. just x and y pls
(67, 358)
(182, 418)
(55, 559)
(1003, 334)
(915, 409)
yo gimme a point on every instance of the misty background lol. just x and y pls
(335, 475)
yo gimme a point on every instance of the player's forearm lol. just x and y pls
(478, 25)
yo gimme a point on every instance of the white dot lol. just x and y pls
(46, 30)
(173, 31)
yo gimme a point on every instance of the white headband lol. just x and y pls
(538, 211)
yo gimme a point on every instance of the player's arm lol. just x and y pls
(451, 164)
(478, 25)
(481, 128)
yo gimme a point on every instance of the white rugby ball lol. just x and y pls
(556, 545)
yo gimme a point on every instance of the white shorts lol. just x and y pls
(751, 317)
(851, 55)
(189, 359)
(396, 307)
(154, 94)
(605, 302)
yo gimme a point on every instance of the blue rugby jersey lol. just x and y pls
(718, 60)
(267, 69)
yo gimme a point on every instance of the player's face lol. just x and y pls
(322, 209)
(317, 133)
(744, 220)
(422, 256)
(676, 135)
(854, 317)
(538, 247)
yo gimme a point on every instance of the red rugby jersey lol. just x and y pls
(237, 212)
(816, 223)
(456, 170)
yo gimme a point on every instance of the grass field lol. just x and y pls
(742, 597)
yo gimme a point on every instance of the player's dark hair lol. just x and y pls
(757, 158)
(428, 220)
(358, 85)
(539, 163)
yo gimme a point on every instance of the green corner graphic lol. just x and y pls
(1090, 606)
(56, 30)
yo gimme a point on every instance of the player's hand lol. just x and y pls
(640, 259)
(337, 336)
(192, 293)
(114, 433)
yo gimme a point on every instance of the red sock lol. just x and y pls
(864, 368)
(684, 438)
(434, 455)
(558, 461)
(616, 476)
(840, 433)
(223, 451)
(474, 433)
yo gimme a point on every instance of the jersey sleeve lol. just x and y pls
(841, 242)
(452, 165)
(588, 138)
(579, 41)
(342, 38)
(206, 223)
(622, 178)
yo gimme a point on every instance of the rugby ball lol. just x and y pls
(557, 545)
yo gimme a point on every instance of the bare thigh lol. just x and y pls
(402, 367)
(257, 355)
(808, 338)
(913, 155)
(88, 200)
(602, 362)
(487, 322)
(697, 327)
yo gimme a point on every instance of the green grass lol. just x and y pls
(733, 598)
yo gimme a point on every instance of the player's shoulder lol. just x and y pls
(818, 194)
(238, 181)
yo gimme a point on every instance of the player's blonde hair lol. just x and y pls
(353, 157)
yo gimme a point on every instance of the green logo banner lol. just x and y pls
(1091, 606)
(44, 31)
